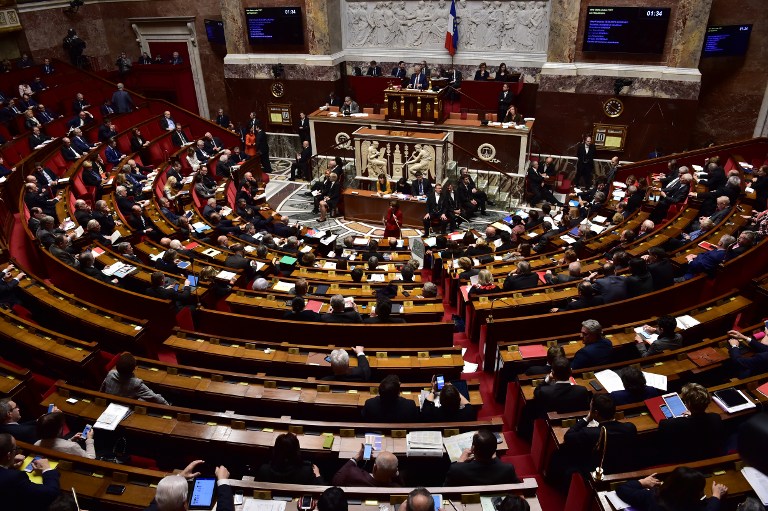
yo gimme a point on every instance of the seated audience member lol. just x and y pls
(50, 430)
(683, 489)
(298, 312)
(454, 407)
(466, 271)
(746, 240)
(553, 352)
(341, 312)
(121, 381)
(635, 388)
(384, 474)
(574, 273)
(693, 437)
(521, 278)
(557, 394)
(485, 284)
(10, 422)
(586, 298)
(580, 451)
(707, 262)
(514, 503)
(661, 269)
(746, 366)
(597, 349)
(9, 286)
(389, 406)
(479, 465)
(332, 499)
(383, 314)
(667, 338)
(287, 465)
(171, 493)
(639, 282)
(429, 290)
(341, 369)
(16, 489)
(610, 287)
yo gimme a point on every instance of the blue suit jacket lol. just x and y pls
(17, 492)
(595, 354)
(419, 81)
(80, 145)
(706, 262)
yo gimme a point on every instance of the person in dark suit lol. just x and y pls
(635, 387)
(609, 286)
(340, 313)
(122, 100)
(33, 198)
(80, 103)
(478, 465)
(383, 313)
(301, 165)
(222, 119)
(661, 269)
(178, 138)
(587, 297)
(420, 186)
(454, 407)
(106, 108)
(287, 466)
(558, 394)
(670, 195)
(467, 203)
(45, 115)
(163, 289)
(9, 286)
(454, 84)
(67, 151)
(482, 74)
(47, 67)
(506, 98)
(537, 187)
(435, 210)
(479, 196)
(373, 69)
(585, 443)
(166, 122)
(746, 366)
(418, 80)
(400, 71)
(667, 338)
(521, 278)
(303, 127)
(683, 489)
(341, 370)
(172, 490)
(16, 490)
(597, 349)
(107, 131)
(330, 196)
(639, 282)
(697, 436)
(81, 120)
(263, 147)
(10, 422)
(79, 143)
(237, 261)
(585, 164)
(714, 177)
(389, 406)
(707, 262)
(37, 137)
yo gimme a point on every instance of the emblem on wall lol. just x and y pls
(486, 152)
(342, 140)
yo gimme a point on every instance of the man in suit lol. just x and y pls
(178, 138)
(237, 261)
(106, 108)
(124, 203)
(47, 67)
(164, 290)
(262, 145)
(465, 199)
(68, 152)
(303, 127)
(298, 312)
(454, 82)
(350, 106)
(104, 216)
(222, 119)
(537, 187)
(585, 164)
(373, 69)
(79, 144)
(399, 71)
(212, 144)
(661, 269)
(597, 349)
(673, 194)
(610, 286)
(10, 422)
(389, 406)
(506, 98)
(9, 285)
(60, 250)
(176, 59)
(521, 278)
(478, 195)
(122, 100)
(79, 104)
(172, 490)
(301, 165)
(82, 212)
(138, 222)
(418, 79)
(37, 138)
(16, 490)
(340, 313)
(707, 262)
(479, 465)
(435, 210)
(81, 120)
(421, 187)
(107, 131)
(112, 152)
(557, 394)
(44, 115)
(693, 437)
(33, 198)
(342, 370)
(166, 122)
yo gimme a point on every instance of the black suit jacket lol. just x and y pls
(17, 492)
(348, 316)
(304, 315)
(69, 154)
(222, 120)
(622, 437)
(586, 160)
(426, 187)
(24, 432)
(471, 473)
(435, 207)
(261, 143)
(515, 282)
(560, 397)
(454, 78)
(402, 410)
(177, 140)
(693, 438)
(373, 71)
(36, 140)
(505, 102)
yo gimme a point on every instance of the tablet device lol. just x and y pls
(675, 404)
(192, 280)
(203, 491)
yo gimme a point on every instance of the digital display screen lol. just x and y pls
(626, 29)
(214, 29)
(726, 41)
(274, 26)
(202, 493)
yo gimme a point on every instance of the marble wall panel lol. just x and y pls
(292, 72)
(564, 25)
(603, 85)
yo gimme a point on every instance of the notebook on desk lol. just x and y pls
(706, 357)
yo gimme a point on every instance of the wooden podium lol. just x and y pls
(411, 105)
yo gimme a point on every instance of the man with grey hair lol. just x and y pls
(429, 290)
(418, 500)
(121, 100)
(104, 216)
(124, 203)
(10, 422)
(385, 471)
(341, 369)
(521, 278)
(672, 194)
(260, 284)
(341, 312)
(171, 493)
(707, 262)
(574, 273)
(597, 349)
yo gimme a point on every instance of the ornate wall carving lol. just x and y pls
(519, 26)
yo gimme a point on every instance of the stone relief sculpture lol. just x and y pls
(518, 25)
(377, 162)
(421, 160)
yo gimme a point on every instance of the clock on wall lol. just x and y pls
(278, 89)
(613, 107)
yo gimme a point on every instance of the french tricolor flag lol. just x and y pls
(452, 30)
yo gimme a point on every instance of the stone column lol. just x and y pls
(318, 33)
(563, 28)
(234, 25)
(689, 28)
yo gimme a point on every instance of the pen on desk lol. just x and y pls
(451, 503)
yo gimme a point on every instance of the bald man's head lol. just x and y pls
(385, 467)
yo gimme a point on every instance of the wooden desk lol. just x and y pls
(415, 105)
(367, 206)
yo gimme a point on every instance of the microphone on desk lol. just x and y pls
(602, 444)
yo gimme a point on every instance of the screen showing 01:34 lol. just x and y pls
(274, 26)
(626, 29)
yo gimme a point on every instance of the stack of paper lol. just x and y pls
(612, 381)
(616, 502)
(684, 322)
(226, 275)
(454, 445)
(758, 481)
(263, 505)
(424, 443)
(283, 286)
(111, 417)
(649, 338)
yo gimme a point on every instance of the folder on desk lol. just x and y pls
(533, 351)
(706, 356)
(313, 305)
(288, 260)
(654, 407)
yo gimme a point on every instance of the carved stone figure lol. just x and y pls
(376, 159)
(421, 160)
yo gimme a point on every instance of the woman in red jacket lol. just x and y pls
(393, 220)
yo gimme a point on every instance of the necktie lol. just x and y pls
(183, 139)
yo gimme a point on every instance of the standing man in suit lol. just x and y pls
(122, 100)
(506, 97)
(418, 79)
(389, 406)
(585, 164)
(342, 370)
(435, 210)
(222, 119)
(479, 465)
(454, 84)
(303, 127)
(373, 69)
(16, 490)
(301, 165)
(263, 147)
